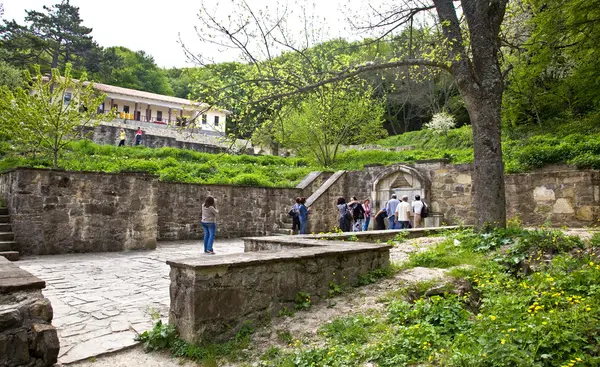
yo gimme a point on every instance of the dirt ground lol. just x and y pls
(304, 324)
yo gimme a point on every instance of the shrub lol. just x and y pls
(441, 123)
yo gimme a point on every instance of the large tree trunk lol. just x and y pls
(489, 199)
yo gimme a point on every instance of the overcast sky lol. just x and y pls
(141, 25)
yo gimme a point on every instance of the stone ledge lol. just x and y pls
(316, 250)
(13, 278)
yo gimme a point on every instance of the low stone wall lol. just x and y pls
(27, 337)
(54, 212)
(278, 243)
(109, 135)
(243, 211)
(212, 297)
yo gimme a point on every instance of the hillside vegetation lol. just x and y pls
(525, 148)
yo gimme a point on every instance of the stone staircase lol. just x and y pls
(8, 246)
(286, 226)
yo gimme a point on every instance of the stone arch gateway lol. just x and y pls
(400, 180)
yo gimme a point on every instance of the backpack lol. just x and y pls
(424, 211)
(358, 212)
(347, 212)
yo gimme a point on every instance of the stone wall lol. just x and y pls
(27, 337)
(243, 211)
(570, 198)
(55, 212)
(211, 298)
(109, 135)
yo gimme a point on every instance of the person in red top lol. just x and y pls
(138, 136)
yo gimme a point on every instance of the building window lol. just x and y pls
(68, 97)
(126, 109)
(158, 115)
(204, 119)
(216, 120)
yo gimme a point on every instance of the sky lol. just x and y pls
(155, 29)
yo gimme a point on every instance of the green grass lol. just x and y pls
(574, 142)
(546, 317)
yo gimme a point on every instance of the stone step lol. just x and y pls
(282, 231)
(7, 236)
(4, 218)
(10, 255)
(3, 210)
(5, 227)
(8, 245)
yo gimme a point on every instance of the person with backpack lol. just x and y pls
(295, 216)
(303, 215)
(358, 214)
(420, 210)
(345, 214)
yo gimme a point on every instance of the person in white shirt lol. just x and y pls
(403, 213)
(417, 207)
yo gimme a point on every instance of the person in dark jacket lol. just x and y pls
(344, 214)
(380, 220)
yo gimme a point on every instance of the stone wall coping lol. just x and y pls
(13, 278)
(415, 231)
(324, 187)
(253, 258)
(308, 179)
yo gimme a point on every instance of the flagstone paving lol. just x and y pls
(102, 300)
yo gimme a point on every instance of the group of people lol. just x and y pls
(299, 214)
(123, 136)
(355, 216)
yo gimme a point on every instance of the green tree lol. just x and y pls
(135, 70)
(10, 77)
(467, 47)
(51, 38)
(328, 117)
(51, 113)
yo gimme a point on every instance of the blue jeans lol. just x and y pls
(404, 224)
(367, 221)
(303, 225)
(392, 221)
(138, 139)
(210, 230)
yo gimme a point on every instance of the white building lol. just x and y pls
(161, 111)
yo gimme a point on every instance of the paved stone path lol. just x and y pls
(102, 300)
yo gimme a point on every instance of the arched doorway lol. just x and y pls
(399, 180)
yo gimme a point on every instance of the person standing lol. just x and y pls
(367, 209)
(390, 209)
(417, 207)
(122, 137)
(303, 216)
(295, 218)
(403, 214)
(209, 223)
(138, 136)
(358, 214)
(344, 214)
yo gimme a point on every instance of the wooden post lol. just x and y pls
(169, 122)
(135, 111)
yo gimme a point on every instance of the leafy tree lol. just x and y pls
(50, 114)
(179, 79)
(330, 116)
(554, 47)
(467, 47)
(51, 39)
(10, 77)
(135, 70)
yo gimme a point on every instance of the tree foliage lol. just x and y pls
(51, 113)
(51, 38)
(329, 117)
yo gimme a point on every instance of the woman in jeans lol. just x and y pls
(367, 209)
(209, 224)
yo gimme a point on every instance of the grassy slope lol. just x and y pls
(525, 148)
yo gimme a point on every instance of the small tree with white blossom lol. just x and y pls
(441, 123)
